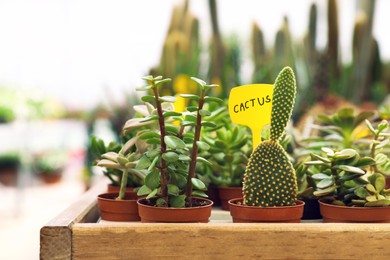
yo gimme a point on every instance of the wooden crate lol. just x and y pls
(78, 234)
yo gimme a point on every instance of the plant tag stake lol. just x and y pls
(251, 105)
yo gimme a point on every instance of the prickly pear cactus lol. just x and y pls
(269, 179)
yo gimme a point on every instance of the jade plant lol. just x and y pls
(125, 161)
(172, 154)
(346, 178)
(270, 179)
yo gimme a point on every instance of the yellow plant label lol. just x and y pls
(251, 105)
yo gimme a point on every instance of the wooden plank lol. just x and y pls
(228, 240)
(56, 236)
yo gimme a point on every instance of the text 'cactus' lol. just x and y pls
(270, 179)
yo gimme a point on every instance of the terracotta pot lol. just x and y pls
(152, 214)
(9, 176)
(311, 209)
(118, 210)
(213, 195)
(51, 177)
(342, 214)
(247, 214)
(228, 193)
(114, 188)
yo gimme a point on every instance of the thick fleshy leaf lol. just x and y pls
(178, 201)
(171, 113)
(203, 160)
(213, 99)
(112, 156)
(199, 193)
(320, 176)
(108, 164)
(183, 157)
(348, 168)
(152, 179)
(208, 124)
(144, 190)
(144, 88)
(345, 154)
(325, 183)
(202, 145)
(327, 191)
(380, 183)
(199, 81)
(203, 112)
(148, 98)
(378, 203)
(361, 192)
(152, 194)
(170, 156)
(161, 81)
(198, 184)
(149, 118)
(328, 151)
(190, 96)
(318, 157)
(174, 142)
(143, 163)
(167, 99)
(371, 188)
(153, 141)
(173, 189)
(315, 163)
(149, 135)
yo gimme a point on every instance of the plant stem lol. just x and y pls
(121, 195)
(163, 165)
(194, 153)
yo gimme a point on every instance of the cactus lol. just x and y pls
(333, 38)
(270, 179)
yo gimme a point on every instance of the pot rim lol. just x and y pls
(350, 207)
(171, 208)
(299, 203)
(110, 196)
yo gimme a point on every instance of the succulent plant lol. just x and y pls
(270, 179)
(174, 141)
(373, 194)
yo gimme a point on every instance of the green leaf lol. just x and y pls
(149, 118)
(323, 192)
(315, 163)
(149, 135)
(174, 142)
(172, 129)
(148, 78)
(143, 163)
(199, 81)
(361, 192)
(143, 190)
(183, 157)
(320, 176)
(147, 98)
(209, 86)
(371, 188)
(202, 145)
(345, 154)
(348, 168)
(187, 123)
(190, 96)
(192, 109)
(154, 141)
(152, 179)
(171, 113)
(378, 203)
(316, 156)
(365, 161)
(173, 189)
(370, 127)
(203, 160)
(208, 124)
(170, 156)
(328, 151)
(198, 184)
(167, 99)
(178, 201)
(203, 112)
(325, 183)
(152, 194)
(199, 193)
(380, 182)
(162, 81)
(213, 99)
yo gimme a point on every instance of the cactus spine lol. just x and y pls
(269, 179)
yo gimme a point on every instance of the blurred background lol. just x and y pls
(68, 69)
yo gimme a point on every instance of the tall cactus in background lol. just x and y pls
(363, 51)
(283, 51)
(333, 38)
(270, 179)
(261, 72)
(181, 49)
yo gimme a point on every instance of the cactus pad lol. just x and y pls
(269, 179)
(282, 102)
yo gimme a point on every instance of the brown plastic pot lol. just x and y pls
(248, 214)
(118, 210)
(343, 214)
(228, 193)
(152, 214)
